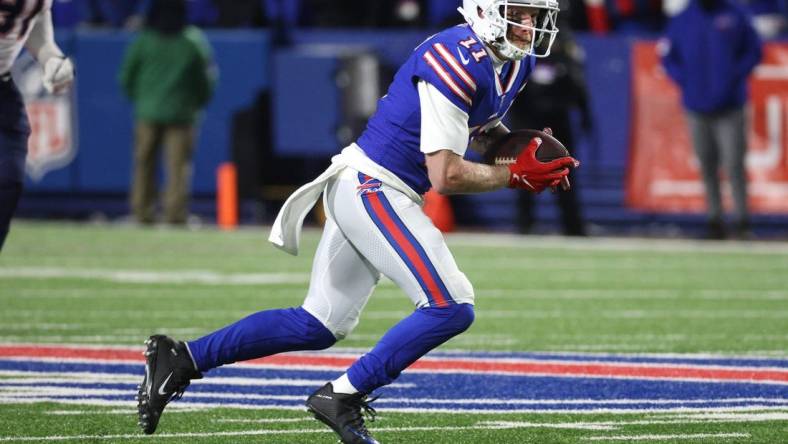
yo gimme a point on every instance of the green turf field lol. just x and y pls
(98, 285)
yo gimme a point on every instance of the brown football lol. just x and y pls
(511, 145)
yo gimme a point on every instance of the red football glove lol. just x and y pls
(530, 174)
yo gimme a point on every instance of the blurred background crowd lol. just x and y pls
(275, 87)
(602, 16)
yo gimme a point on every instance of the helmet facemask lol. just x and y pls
(502, 20)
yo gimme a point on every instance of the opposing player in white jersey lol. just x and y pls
(23, 23)
(452, 90)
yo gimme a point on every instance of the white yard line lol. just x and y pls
(264, 420)
(35, 391)
(702, 418)
(631, 293)
(666, 437)
(170, 409)
(159, 436)
(129, 404)
(89, 412)
(564, 293)
(683, 419)
(43, 326)
(242, 382)
(155, 277)
(112, 313)
(636, 314)
(614, 244)
(502, 426)
(536, 263)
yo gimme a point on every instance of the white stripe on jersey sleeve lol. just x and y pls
(458, 69)
(444, 126)
(443, 75)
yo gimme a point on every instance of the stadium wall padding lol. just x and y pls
(104, 115)
(245, 62)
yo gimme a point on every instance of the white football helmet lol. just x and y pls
(488, 19)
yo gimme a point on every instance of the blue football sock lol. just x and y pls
(261, 334)
(406, 342)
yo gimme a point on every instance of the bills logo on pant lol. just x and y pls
(368, 184)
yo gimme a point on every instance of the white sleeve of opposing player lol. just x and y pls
(41, 41)
(443, 125)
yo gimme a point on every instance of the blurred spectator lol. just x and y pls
(369, 13)
(637, 16)
(282, 16)
(68, 13)
(574, 13)
(556, 88)
(442, 12)
(629, 16)
(168, 75)
(770, 17)
(238, 13)
(288, 11)
(122, 13)
(99, 13)
(117, 13)
(709, 51)
(201, 12)
(673, 7)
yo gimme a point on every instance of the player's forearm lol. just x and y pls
(41, 42)
(471, 177)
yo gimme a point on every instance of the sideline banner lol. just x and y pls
(663, 174)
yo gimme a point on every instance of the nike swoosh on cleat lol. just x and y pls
(161, 387)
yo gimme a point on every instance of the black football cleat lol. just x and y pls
(342, 413)
(168, 370)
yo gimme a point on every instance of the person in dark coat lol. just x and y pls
(556, 88)
(709, 50)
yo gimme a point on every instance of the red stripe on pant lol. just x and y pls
(407, 248)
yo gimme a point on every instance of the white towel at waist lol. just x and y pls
(286, 231)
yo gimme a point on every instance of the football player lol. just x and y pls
(25, 23)
(455, 87)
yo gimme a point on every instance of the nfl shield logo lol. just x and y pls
(52, 143)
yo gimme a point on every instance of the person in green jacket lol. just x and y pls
(168, 74)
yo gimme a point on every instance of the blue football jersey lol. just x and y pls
(456, 63)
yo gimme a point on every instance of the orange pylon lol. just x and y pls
(438, 208)
(227, 196)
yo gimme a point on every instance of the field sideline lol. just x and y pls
(575, 341)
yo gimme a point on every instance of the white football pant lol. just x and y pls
(371, 229)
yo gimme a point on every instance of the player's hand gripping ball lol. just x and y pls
(536, 160)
